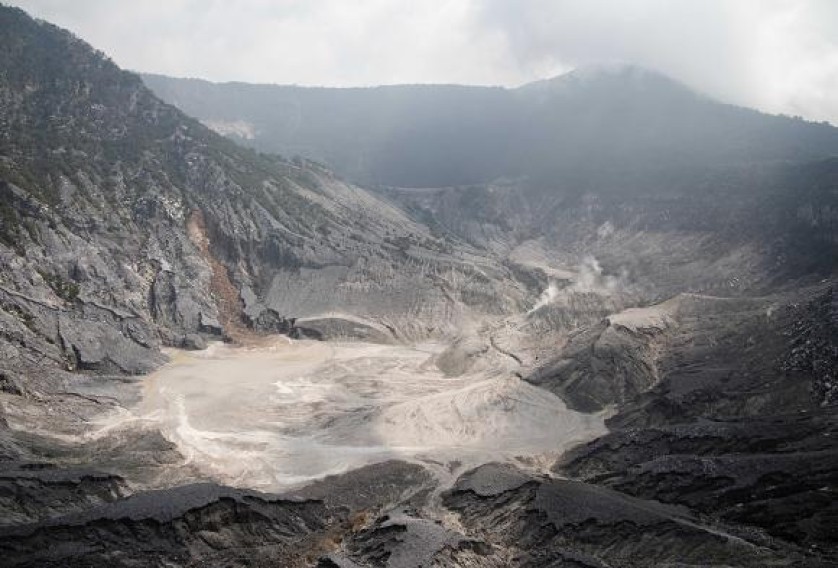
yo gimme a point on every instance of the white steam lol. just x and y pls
(588, 278)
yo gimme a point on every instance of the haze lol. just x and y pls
(780, 56)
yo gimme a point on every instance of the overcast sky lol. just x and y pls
(776, 55)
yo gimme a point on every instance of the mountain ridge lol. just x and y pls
(134, 159)
(435, 136)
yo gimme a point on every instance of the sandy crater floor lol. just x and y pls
(278, 416)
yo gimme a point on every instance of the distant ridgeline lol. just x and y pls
(598, 120)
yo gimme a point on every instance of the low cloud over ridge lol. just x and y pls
(780, 56)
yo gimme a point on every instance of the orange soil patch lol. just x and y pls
(225, 293)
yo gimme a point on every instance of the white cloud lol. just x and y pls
(776, 55)
(327, 42)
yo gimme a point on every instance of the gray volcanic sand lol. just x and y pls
(279, 416)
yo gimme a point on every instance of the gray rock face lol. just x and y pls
(733, 430)
(492, 480)
(405, 541)
(193, 342)
(539, 522)
(162, 233)
(607, 365)
(34, 492)
(92, 339)
(742, 472)
(174, 527)
(339, 327)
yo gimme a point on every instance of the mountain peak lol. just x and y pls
(615, 69)
(609, 78)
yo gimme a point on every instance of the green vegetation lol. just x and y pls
(20, 313)
(65, 289)
(9, 227)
